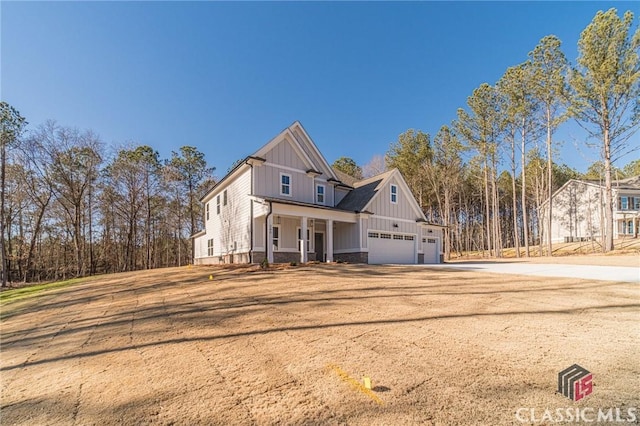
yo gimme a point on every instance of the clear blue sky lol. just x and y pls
(227, 77)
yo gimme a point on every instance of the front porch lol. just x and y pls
(279, 228)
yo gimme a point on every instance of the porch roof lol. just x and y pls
(302, 204)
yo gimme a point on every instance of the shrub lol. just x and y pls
(264, 264)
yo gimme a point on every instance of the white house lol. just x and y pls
(285, 203)
(578, 210)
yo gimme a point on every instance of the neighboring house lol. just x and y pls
(285, 203)
(578, 210)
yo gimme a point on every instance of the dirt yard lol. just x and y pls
(292, 347)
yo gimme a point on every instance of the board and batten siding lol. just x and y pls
(345, 237)
(382, 206)
(267, 183)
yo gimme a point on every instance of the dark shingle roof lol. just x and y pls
(358, 198)
(362, 193)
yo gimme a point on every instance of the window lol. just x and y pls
(385, 236)
(207, 211)
(431, 240)
(224, 196)
(408, 237)
(308, 237)
(285, 184)
(627, 227)
(218, 204)
(636, 203)
(374, 235)
(320, 194)
(424, 240)
(398, 237)
(394, 194)
(210, 247)
(276, 237)
(624, 203)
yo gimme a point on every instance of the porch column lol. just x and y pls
(303, 240)
(268, 240)
(329, 240)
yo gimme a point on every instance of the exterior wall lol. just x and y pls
(267, 183)
(284, 158)
(231, 228)
(382, 206)
(345, 237)
(577, 213)
(285, 154)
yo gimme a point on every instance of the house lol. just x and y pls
(578, 210)
(285, 203)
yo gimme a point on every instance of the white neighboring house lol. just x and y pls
(578, 210)
(286, 190)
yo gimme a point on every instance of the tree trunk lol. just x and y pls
(3, 161)
(608, 197)
(525, 220)
(487, 208)
(549, 185)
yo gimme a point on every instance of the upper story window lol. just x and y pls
(218, 204)
(636, 203)
(320, 189)
(285, 184)
(624, 203)
(394, 194)
(207, 208)
(224, 196)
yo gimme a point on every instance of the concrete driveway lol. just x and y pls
(588, 272)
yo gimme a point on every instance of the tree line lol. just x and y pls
(487, 174)
(70, 208)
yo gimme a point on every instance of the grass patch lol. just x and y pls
(13, 295)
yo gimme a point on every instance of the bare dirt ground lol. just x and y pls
(291, 346)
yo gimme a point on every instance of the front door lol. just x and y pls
(319, 241)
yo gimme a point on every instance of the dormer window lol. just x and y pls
(320, 194)
(394, 194)
(285, 184)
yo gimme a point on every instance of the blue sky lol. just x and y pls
(227, 77)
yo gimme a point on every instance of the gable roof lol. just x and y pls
(366, 190)
(363, 192)
(625, 184)
(304, 147)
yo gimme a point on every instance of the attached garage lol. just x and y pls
(431, 248)
(386, 247)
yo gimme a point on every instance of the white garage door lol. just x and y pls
(431, 251)
(391, 248)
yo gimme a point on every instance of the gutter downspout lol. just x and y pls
(251, 219)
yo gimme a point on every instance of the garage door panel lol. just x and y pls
(430, 249)
(391, 248)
